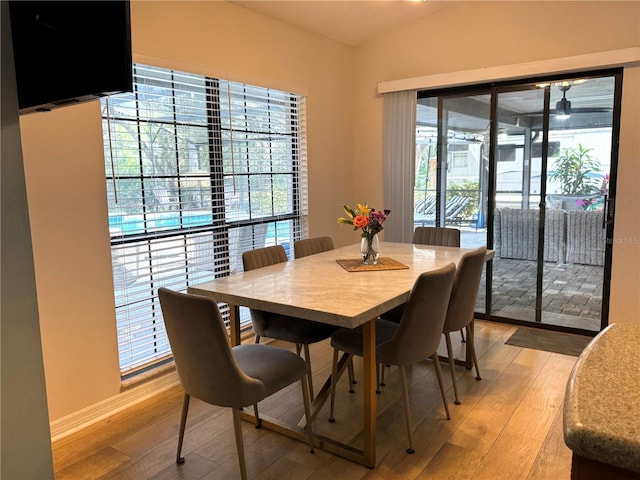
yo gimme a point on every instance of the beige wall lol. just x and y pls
(472, 35)
(64, 167)
(65, 174)
(64, 160)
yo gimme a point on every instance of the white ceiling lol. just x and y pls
(346, 21)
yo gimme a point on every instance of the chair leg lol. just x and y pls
(257, 415)
(237, 427)
(379, 367)
(452, 367)
(307, 410)
(183, 423)
(471, 338)
(334, 380)
(352, 377)
(256, 339)
(308, 359)
(382, 384)
(407, 408)
(462, 335)
(436, 363)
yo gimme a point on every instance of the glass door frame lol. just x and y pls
(525, 193)
(493, 90)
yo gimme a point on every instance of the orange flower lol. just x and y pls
(360, 221)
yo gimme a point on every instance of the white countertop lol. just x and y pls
(602, 401)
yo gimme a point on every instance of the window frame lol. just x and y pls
(223, 226)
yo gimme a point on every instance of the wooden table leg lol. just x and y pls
(366, 456)
(369, 373)
(234, 325)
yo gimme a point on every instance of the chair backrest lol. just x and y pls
(202, 353)
(443, 236)
(258, 258)
(418, 335)
(311, 246)
(263, 257)
(465, 290)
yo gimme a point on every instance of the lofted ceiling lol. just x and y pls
(349, 22)
(354, 22)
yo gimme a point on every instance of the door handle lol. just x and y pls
(609, 210)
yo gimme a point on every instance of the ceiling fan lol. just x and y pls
(564, 109)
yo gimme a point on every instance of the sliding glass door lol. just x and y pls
(528, 169)
(452, 161)
(517, 166)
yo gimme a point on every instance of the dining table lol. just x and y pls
(335, 288)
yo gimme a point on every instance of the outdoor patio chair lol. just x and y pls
(453, 207)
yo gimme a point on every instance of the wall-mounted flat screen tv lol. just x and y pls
(70, 52)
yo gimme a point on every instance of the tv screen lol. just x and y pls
(70, 52)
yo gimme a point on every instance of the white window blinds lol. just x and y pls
(198, 171)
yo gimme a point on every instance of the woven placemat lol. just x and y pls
(384, 263)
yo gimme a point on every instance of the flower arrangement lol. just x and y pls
(369, 220)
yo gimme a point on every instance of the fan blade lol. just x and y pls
(573, 110)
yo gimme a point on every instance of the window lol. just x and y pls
(198, 170)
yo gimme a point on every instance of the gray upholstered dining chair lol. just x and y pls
(462, 306)
(300, 331)
(211, 370)
(311, 246)
(443, 236)
(414, 339)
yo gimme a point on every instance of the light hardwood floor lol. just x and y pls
(509, 426)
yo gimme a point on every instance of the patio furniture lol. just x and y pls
(575, 236)
(516, 234)
(427, 207)
(586, 239)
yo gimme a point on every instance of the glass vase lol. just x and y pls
(370, 249)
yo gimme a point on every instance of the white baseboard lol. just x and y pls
(94, 413)
(130, 396)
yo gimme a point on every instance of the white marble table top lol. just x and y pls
(318, 288)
